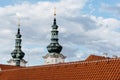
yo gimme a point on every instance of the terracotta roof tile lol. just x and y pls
(95, 57)
(7, 67)
(86, 70)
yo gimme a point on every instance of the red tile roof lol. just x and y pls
(95, 57)
(107, 69)
(6, 67)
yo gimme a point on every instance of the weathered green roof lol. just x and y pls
(54, 46)
(17, 53)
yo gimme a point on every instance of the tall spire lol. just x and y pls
(54, 46)
(18, 54)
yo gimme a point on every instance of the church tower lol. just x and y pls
(17, 54)
(54, 48)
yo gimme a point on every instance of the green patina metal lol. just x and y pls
(17, 53)
(54, 46)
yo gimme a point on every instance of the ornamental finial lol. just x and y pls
(54, 11)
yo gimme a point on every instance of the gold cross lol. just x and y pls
(54, 11)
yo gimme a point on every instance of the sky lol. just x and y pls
(85, 27)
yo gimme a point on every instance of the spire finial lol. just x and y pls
(18, 22)
(54, 11)
(54, 16)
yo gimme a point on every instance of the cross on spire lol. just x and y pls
(18, 22)
(54, 11)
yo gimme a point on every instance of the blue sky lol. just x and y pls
(86, 27)
(93, 6)
(13, 2)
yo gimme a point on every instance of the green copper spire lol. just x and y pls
(18, 54)
(54, 46)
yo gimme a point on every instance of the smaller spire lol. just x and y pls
(18, 54)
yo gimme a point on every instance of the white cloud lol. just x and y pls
(76, 30)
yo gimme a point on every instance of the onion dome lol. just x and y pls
(18, 53)
(54, 46)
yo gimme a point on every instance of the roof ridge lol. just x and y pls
(51, 65)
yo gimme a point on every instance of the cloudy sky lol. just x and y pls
(86, 27)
